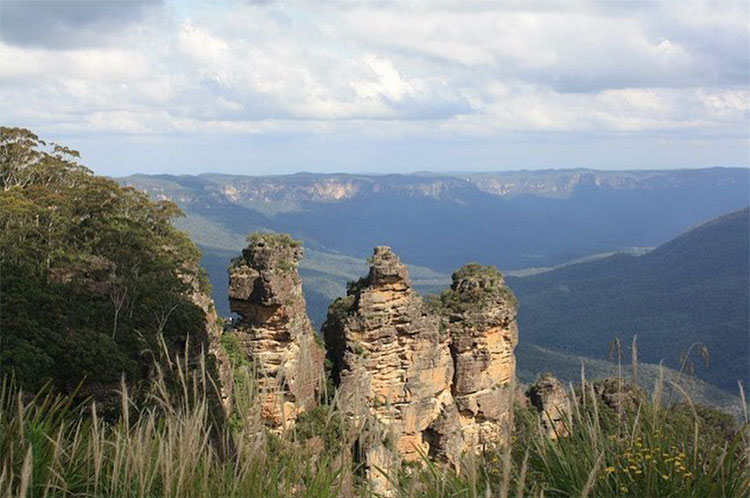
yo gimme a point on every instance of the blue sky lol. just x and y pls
(278, 87)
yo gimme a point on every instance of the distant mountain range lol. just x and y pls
(513, 220)
(691, 289)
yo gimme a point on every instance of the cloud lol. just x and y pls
(69, 23)
(428, 70)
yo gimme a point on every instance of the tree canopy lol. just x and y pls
(92, 274)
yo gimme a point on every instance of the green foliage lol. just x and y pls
(355, 286)
(489, 286)
(273, 240)
(231, 344)
(281, 245)
(476, 271)
(326, 423)
(647, 452)
(93, 274)
(175, 448)
(715, 428)
(339, 309)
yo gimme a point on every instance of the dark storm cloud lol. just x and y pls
(68, 23)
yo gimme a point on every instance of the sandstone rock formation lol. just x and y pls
(550, 399)
(479, 312)
(392, 363)
(274, 331)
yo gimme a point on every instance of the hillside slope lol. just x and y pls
(692, 288)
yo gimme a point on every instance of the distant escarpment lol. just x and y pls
(432, 378)
(274, 333)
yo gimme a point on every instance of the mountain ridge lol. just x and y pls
(554, 182)
(691, 289)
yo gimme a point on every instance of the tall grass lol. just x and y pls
(646, 452)
(175, 445)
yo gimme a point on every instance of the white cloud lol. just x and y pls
(428, 69)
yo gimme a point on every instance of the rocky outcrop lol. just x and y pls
(392, 363)
(548, 396)
(274, 332)
(619, 394)
(479, 312)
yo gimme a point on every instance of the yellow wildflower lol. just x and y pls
(609, 470)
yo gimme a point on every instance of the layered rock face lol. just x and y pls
(480, 314)
(550, 399)
(393, 364)
(274, 331)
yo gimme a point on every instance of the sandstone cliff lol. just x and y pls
(274, 332)
(479, 313)
(393, 365)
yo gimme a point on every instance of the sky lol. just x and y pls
(275, 87)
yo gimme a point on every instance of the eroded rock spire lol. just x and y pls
(479, 312)
(393, 366)
(274, 332)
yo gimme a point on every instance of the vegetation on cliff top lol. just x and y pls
(93, 274)
(478, 285)
(282, 245)
(273, 240)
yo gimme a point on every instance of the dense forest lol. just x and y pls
(687, 296)
(95, 278)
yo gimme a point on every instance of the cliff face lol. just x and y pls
(274, 331)
(479, 312)
(393, 363)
